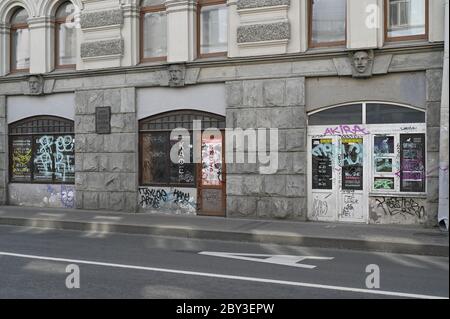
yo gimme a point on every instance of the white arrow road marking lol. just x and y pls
(230, 277)
(285, 260)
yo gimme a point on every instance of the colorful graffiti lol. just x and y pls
(346, 130)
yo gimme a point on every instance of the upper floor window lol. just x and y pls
(213, 28)
(406, 19)
(327, 22)
(66, 38)
(153, 30)
(20, 41)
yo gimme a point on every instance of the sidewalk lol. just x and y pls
(383, 238)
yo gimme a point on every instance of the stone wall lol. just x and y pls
(434, 91)
(278, 103)
(3, 151)
(106, 164)
(42, 195)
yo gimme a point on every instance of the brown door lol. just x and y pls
(211, 184)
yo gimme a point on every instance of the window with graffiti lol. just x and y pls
(156, 144)
(42, 150)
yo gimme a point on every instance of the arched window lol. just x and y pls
(155, 144)
(65, 37)
(20, 41)
(375, 113)
(394, 136)
(153, 40)
(41, 150)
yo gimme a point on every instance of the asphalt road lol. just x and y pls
(33, 265)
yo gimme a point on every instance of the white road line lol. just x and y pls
(211, 275)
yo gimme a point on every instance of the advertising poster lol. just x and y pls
(352, 168)
(322, 170)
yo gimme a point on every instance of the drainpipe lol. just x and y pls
(443, 140)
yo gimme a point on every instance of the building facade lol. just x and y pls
(91, 91)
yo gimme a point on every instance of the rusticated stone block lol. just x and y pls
(263, 32)
(241, 206)
(248, 4)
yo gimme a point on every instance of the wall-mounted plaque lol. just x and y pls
(103, 120)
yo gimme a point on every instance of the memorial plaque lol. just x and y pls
(103, 120)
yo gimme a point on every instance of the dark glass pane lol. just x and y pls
(44, 158)
(155, 158)
(378, 113)
(64, 158)
(346, 114)
(182, 172)
(21, 154)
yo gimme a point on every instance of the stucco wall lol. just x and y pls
(19, 107)
(403, 88)
(206, 97)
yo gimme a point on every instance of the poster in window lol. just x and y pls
(64, 158)
(322, 170)
(212, 161)
(384, 183)
(384, 144)
(155, 157)
(44, 158)
(22, 153)
(182, 172)
(412, 162)
(352, 163)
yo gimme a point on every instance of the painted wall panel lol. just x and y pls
(19, 107)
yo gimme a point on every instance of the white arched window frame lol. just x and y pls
(397, 152)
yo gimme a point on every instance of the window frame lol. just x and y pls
(143, 12)
(397, 130)
(58, 23)
(311, 43)
(200, 5)
(13, 28)
(33, 135)
(389, 39)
